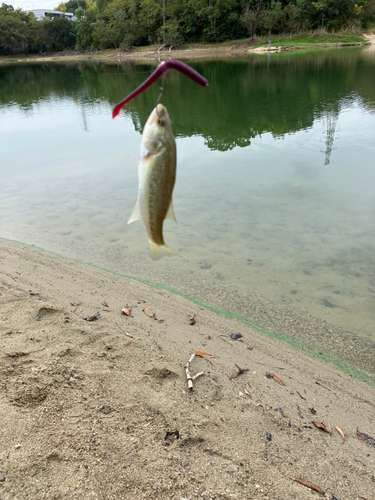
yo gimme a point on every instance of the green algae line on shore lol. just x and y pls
(298, 345)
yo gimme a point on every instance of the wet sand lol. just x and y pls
(90, 412)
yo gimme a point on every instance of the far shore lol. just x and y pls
(195, 51)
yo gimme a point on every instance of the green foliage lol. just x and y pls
(273, 17)
(150, 18)
(118, 26)
(6, 8)
(170, 34)
(61, 7)
(292, 19)
(252, 16)
(72, 5)
(55, 36)
(86, 28)
(309, 40)
(79, 13)
(122, 24)
(215, 18)
(15, 30)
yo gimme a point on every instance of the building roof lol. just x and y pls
(40, 13)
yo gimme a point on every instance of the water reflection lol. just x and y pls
(245, 98)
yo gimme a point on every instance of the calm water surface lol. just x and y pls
(275, 193)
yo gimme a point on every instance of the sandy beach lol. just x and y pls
(203, 51)
(101, 409)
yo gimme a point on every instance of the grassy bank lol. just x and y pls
(310, 40)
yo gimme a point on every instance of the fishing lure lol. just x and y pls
(163, 67)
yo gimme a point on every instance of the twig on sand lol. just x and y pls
(188, 374)
(247, 392)
(132, 336)
(275, 377)
(240, 371)
(308, 485)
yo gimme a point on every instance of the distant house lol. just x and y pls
(42, 13)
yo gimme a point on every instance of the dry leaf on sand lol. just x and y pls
(126, 310)
(321, 425)
(204, 354)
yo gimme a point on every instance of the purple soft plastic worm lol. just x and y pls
(160, 70)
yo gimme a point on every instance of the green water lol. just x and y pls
(275, 192)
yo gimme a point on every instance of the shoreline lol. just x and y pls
(228, 49)
(111, 414)
(297, 343)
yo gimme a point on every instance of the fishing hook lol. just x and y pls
(158, 100)
(160, 70)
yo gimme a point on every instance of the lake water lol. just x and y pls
(275, 192)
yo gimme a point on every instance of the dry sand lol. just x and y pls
(145, 54)
(90, 413)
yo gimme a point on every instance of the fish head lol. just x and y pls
(158, 127)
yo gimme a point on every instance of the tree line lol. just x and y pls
(122, 24)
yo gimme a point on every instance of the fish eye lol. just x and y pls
(160, 122)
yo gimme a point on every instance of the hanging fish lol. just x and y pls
(156, 179)
(157, 162)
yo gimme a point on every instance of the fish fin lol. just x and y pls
(158, 251)
(136, 214)
(170, 214)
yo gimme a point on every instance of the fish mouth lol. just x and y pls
(161, 111)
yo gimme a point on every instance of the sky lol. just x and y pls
(32, 4)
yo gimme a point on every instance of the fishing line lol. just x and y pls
(160, 94)
(164, 22)
(162, 76)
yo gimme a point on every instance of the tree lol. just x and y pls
(72, 5)
(334, 13)
(251, 16)
(6, 8)
(292, 15)
(150, 18)
(86, 28)
(13, 30)
(117, 26)
(55, 35)
(105, 36)
(170, 34)
(273, 16)
(212, 13)
(368, 14)
(79, 13)
(322, 7)
(61, 7)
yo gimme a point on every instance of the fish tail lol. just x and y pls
(158, 251)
